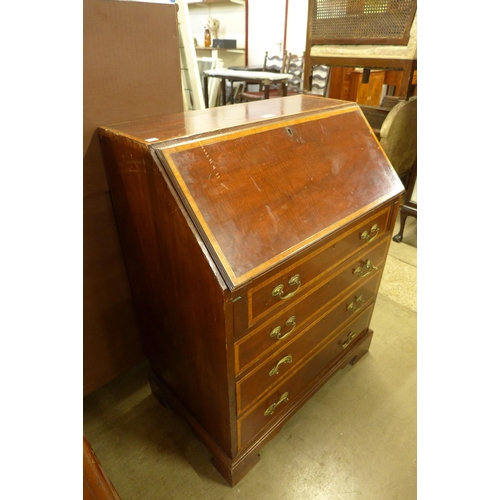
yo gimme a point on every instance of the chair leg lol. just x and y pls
(399, 237)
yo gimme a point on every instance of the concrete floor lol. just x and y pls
(354, 439)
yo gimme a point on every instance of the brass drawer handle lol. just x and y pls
(350, 338)
(286, 359)
(369, 268)
(278, 291)
(276, 332)
(368, 236)
(272, 408)
(352, 306)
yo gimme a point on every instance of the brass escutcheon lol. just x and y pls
(286, 359)
(368, 236)
(272, 408)
(369, 268)
(278, 291)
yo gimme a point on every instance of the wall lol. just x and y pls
(267, 32)
(266, 29)
(297, 26)
(231, 17)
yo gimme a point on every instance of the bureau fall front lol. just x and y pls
(255, 237)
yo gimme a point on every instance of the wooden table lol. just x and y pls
(258, 77)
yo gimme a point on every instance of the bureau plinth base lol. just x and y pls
(233, 470)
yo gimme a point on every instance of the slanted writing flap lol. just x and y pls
(259, 195)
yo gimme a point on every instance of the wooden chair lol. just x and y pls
(398, 137)
(275, 64)
(320, 80)
(390, 101)
(295, 67)
(397, 133)
(409, 208)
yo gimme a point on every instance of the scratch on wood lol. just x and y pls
(253, 180)
(300, 139)
(273, 218)
(208, 157)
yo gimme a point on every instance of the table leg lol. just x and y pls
(231, 93)
(223, 90)
(205, 89)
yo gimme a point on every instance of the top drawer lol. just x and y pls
(285, 286)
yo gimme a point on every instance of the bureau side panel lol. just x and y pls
(179, 296)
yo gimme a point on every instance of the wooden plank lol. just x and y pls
(96, 485)
(131, 70)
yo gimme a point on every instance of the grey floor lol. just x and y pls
(354, 439)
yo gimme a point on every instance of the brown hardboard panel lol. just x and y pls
(131, 70)
(111, 341)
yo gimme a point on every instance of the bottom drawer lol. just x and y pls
(275, 402)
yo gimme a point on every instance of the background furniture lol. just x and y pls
(213, 90)
(233, 25)
(125, 76)
(353, 34)
(347, 84)
(264, 78)
(393, 80)
(369, 93)
(377, 114)
(258, 276)
(409, 208)
(293, 65)
(277, 63)
(319, 80)
(398, 137)
(396, 128)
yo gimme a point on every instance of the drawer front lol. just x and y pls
(277, 367)
(346, 91)
(290, 284)
(393, 78)
(276, 401)
(264, 339)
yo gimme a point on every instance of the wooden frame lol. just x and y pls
(364, 21)
(407, 66)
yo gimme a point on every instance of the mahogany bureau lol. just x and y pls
(255, 236)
